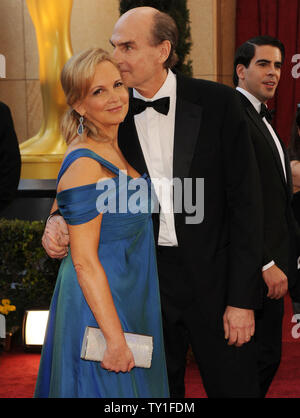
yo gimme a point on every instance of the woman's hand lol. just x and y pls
(118, 358)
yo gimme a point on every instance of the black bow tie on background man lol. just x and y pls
(161, 105)
(266, 113)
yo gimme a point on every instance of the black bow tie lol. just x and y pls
(266, 113)
(161, 105)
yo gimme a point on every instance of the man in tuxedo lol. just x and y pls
(257, 70)
(209, 270)
(10, 160)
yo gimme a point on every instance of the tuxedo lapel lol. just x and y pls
(187, 126)
(287, 166)
(130, 145)
(268, 137)
(257, 120)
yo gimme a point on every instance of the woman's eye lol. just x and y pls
(96, 92)
(119, 84)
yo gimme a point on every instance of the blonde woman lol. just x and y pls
(109, 278)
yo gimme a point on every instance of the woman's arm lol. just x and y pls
(84, 241)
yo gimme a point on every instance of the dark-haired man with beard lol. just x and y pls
(257, 71)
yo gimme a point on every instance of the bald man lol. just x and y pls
(208, 267)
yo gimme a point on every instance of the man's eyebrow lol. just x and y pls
(126, 43)
(263, 60)
(267, 61)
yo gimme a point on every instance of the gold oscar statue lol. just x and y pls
(42, 154)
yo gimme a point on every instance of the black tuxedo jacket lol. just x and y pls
(223, 254)
(281, 233)
(10, 160)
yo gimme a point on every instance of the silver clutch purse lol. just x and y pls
(94, 345)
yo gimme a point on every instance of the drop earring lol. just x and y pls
(80, 128)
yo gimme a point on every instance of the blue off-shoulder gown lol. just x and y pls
(127, 254)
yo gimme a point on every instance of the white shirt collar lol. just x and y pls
(167, 89)
(255, 102)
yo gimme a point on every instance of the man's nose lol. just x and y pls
(272, 69)
(116, 55)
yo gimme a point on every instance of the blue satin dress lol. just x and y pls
(127, 254)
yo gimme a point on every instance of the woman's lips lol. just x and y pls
(115, 109)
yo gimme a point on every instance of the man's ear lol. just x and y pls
(299, 131)
(165, 49)
(240, 71)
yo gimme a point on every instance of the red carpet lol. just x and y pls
(18, 370)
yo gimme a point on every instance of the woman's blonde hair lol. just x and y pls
(76, 78)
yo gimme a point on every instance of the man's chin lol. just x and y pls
(266, 97)
(270, 94)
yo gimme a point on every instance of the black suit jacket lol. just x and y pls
(223, 253)
(10, 160)
(281, 233)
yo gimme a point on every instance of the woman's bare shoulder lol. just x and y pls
(83, 171)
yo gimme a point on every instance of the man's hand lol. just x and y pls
(239, 325)
(276, 281)
(56, 239)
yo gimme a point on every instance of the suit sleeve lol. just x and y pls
(10, 160)
(267, 257)
(244, 200)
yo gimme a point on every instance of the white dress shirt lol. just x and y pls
(257, 105)
(156, 136)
